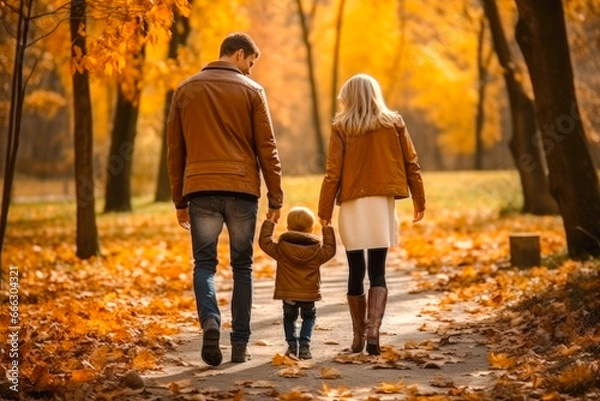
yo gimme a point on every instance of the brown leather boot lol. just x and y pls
(377, 301)
(358, 312)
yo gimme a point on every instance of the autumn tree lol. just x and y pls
(18, 85)
(483, 61)
(336, 56)
(180, 30)
(573, 179)
(305, 22)
(124, 129)
(87, 232)
(524, 139)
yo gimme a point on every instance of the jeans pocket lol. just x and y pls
(244, 209)
(202, 206)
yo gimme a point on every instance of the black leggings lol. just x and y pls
(357, 268)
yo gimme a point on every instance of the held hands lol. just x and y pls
(325, 223)
(183, 217)
(273, 215)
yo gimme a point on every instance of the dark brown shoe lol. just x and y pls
(304, 352)
(240, 353)
(211, 353)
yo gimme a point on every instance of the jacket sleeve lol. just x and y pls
(266, 149)
(176, 153)
(265, 240)
(329, 247)
(413, 170)
(333, 174)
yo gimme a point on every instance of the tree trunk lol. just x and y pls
(542, 36)
(118, 178)
(524, 140)
(180, 30)
(87, 232)
(394, 71)
(336, 58)
(16, 112)
(481, 84)
(120, 160)
(319, 162)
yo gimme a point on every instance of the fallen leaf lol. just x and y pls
(390, 388)
(330, 373)
(292, 372)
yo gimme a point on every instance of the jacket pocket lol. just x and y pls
(216, 167)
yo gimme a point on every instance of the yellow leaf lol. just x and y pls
(184, 8)
(330, 373)
(295, 395)
(78, 51)
(501, 361)
(174, 388)
(81, 30)
(99, 357)
(390, 388)
(281, 360)
(144, 360)
(292, 371)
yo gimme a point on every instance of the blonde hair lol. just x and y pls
(301, 219)
(362, 107)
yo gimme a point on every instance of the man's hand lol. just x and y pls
(183, 217)
(418, 216)
(273, 215)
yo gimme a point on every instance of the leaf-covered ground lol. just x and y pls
(85, 324)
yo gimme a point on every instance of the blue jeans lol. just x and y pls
(207, 216)
(308, 312)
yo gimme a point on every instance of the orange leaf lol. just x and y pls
(83, 375)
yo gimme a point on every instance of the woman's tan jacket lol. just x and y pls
(299, 257)
(382, 162)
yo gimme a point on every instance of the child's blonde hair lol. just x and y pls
(301, 219)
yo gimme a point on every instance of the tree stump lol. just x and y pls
(525, 250)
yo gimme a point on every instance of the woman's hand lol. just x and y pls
(418, 216)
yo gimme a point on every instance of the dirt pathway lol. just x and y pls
(430, 355)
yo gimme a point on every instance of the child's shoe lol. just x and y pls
(292, 351)
(304, 352)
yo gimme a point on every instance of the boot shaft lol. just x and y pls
(376, 310)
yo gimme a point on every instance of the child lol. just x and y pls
(299, 255)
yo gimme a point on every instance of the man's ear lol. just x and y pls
(239, 54)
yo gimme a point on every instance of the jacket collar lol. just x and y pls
(299, 238)
(222, 65)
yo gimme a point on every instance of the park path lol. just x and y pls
(442, 356)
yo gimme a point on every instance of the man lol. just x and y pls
(220, 137)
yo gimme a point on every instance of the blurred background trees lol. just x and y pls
(452, 68)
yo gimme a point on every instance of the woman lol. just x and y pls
(370, 163)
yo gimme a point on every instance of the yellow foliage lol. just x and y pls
(501, 361)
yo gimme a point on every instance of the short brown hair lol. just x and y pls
(236, 41)
(301, 219)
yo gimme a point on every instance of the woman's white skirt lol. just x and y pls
(368, 222)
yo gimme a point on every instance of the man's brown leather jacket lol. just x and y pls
(220, 135)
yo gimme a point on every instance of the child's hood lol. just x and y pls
(299, 246)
